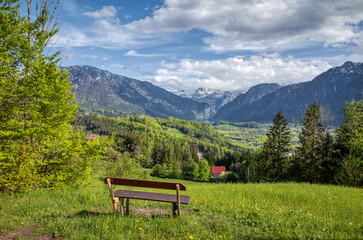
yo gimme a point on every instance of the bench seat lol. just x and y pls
(160, 197)
(122, 195)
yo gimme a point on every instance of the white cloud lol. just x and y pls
(105, 12)
(103, 29)
(233, 24)
(133, 53)
(237, 73)
(259, 25)
(96, 58)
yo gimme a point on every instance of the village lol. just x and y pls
(251, 137)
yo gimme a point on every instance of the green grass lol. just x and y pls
(216, 211)
(253, 141)
(175, 132)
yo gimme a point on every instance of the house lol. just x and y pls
(218, 171)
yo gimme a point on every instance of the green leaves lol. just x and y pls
(38, 146)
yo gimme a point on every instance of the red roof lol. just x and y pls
(218, 169)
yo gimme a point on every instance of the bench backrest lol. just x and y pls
(145, 183)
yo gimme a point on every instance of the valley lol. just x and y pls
(250, 138)
(253, 109)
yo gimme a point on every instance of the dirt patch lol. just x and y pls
(149, 212)
(25, 234)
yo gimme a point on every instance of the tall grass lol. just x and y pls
(216, 211)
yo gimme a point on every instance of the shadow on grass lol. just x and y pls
(85, 213)
(134, 211)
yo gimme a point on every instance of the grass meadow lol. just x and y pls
(216, 211)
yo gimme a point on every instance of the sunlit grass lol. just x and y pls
(216, 211)
(175, 132)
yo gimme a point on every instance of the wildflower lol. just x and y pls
(220, 236)
(191, 237)
(106, 227)
(140, 228)
(22, 223)
(137, 220)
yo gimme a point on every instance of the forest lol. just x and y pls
(317, 159)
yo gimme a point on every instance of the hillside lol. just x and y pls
(231, 110)
(214, 98)
(100, 89)
(331, 89)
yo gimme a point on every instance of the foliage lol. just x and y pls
(314, 153)
(349, 145)
(275, 150)
(38, 146)
(149, 142)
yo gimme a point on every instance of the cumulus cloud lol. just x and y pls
(105, 12)
(232, 24)
(103, 29)
(237, 73)
(259, 25)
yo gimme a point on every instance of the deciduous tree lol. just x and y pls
(38, 147)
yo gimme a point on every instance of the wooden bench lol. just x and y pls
(121, 195)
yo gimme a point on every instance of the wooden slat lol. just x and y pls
(145, 183)
(160, 197)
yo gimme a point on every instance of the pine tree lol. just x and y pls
(276, 148)
(315, 146)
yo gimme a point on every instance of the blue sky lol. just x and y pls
(220, 44)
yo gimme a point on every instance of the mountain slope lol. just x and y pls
(330, 89)
(96, 88)
(214, 98)
(231, 110)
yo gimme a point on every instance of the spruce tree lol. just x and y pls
(276, 148)
(315, 148)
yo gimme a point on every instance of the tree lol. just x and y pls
(204, 170)
(314, 151)
(38, 145)
(349, 145)
(276, 148)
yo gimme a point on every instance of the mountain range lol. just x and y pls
(215, 98)
(98, 89)
(331, 89)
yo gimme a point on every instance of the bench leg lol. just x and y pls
(122, 206)
(174, 209)
(179, 212)
(127, 206)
